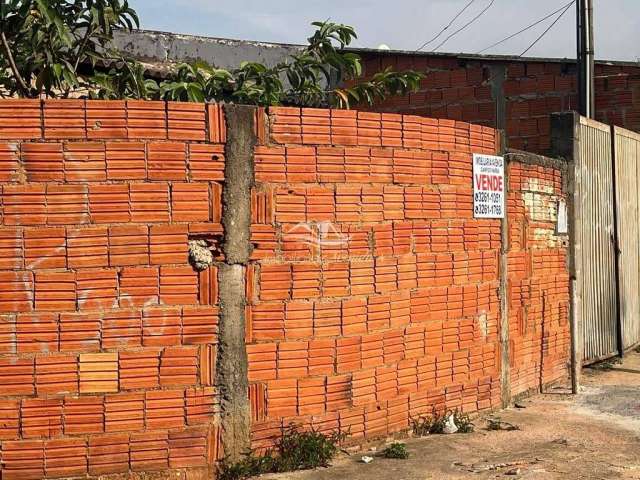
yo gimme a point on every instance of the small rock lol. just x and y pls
(497, 424)
(513, 471)
(366, 459)
(520, 405)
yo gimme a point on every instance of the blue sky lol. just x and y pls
(403, 24)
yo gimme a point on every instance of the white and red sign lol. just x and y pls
(488, 186)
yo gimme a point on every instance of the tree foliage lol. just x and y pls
(62, 48)
(47, 43)
(304, 79)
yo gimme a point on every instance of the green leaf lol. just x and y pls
(195, 93)
(57, 70)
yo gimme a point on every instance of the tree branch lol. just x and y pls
(21, 83)
(87, 32)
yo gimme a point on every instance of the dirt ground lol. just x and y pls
(595, 435)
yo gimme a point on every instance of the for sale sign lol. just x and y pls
(488, 186)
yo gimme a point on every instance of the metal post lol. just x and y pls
(586, 51)
(616, 239)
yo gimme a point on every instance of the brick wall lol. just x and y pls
(107, 334)
(375, 292)
(372, 294)
(472, 88)
(538, 280)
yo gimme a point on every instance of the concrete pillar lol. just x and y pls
(232, 363)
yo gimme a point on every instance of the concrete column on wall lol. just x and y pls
(505, 354)
(232, 362)
(565, 144)
(497, 76)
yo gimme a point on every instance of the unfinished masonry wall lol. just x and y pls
(107, 334)
(537, 279)
(375, 293)
(372, 294)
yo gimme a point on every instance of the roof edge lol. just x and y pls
(391, 52)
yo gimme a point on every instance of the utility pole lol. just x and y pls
(584, 17)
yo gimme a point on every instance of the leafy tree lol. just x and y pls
(46, 44)
(303, 79)
(61, 48)
(197, 83)
(125, 79)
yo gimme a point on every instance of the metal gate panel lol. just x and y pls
(595, 235)
(627, 168)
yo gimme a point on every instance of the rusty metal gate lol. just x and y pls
(595, 256)
(626, 148)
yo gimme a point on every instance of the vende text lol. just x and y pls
(489, 182)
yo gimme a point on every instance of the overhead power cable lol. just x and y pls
(493, 77)
(482, 12)
(446, 27)
(529, 27)
(547, 30)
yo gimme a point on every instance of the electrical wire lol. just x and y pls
(493, 77)
(547, 30)
(482, 12)
(446, 27)
(527, 28)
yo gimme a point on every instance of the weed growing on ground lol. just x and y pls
(463, 422)
(295, 450)
(250, 466)
(435, 423)
(396, 450)
(426, 425)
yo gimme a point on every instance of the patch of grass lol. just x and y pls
(396, 450)
(464, 423)
(250, 466)
(426, 425)
(295, 450)
(435, 423)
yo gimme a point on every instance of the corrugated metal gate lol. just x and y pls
(604, 217)
(595, 254)
(627, 168)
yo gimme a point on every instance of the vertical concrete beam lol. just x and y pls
(565, 143)
(505, 354)
(497, 76)
(232, 363)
